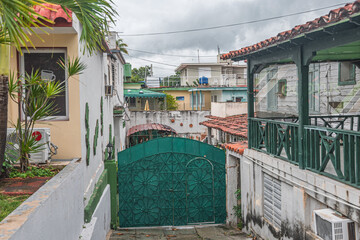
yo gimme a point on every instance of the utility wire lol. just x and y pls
(171, 55)
(228, 25)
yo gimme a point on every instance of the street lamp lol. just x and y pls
(109, 148)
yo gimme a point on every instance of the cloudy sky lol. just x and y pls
(149, 16)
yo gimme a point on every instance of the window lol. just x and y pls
(271, 90)
(346, 73)
(180, 98)
(314, 88)
(272, 200)
(131, 101)
(214, 98)
(46, 61)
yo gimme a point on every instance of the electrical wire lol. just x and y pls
(227, 25)
(170, 55)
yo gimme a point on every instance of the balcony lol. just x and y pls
(331, 144)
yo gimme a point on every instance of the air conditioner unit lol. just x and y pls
(42, 135)
(330, 225)
(109, 90)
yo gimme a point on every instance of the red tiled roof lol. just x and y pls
(150, 126)
(234, 125)
(333, 16)
(237, 147)
(53, 12)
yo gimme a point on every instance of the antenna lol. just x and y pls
(198, 56)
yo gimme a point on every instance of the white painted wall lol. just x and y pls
(330, 91)
(302, 192)
(92, 88)
(55, 211)
(180, 117)
(225, 109)
(100, 224)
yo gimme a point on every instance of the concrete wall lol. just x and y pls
(302, 192)
(100, 222)
(225, 109)
(55, 211)
(180, 117)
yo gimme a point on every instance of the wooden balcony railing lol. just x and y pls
(333, 152)
(277, 138)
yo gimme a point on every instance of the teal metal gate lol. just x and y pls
(171, 181)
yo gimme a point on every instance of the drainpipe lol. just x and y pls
(209, 135)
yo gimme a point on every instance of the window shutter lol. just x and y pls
(272, 200)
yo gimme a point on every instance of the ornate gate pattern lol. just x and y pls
(171, 181)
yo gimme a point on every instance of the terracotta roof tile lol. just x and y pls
(237, 147)
(150, 126)
(235, 125)
(334, 15)
(53, 12)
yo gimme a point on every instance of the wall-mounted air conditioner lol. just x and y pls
(330, 225)
(42, 135)
(109, 90)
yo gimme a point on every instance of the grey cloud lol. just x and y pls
(143, 16)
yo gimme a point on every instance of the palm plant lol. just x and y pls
(17, 22)
(35, 97)
(122, 46)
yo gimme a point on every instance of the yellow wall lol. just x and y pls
(183, 105)
(65, 134)
(186, 104)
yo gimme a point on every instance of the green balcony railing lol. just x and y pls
(334, 153)
(277, 138)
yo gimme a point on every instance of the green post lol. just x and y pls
(303, 103)
(250, 97)
(110, 166)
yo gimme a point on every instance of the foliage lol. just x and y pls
(34, 172)
(18, 18)
(8, 164)
(10, 203)
(36, 96)
(122, 46)
(138, 75)
(237, 208)
(171, 104)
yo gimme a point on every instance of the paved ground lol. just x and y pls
(219, 232)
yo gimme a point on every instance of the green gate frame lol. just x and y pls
(139, 207)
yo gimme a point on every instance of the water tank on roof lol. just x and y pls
(203, 81)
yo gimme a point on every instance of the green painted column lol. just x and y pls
(192, 100)
(200, 99)
(197, 100)
(303, 102)
(250, 99)
(110, 166)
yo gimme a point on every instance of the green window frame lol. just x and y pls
(351, 80)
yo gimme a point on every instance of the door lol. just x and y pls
(200, 191)
(171, 181)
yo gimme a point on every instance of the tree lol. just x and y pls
(17, 20)
(171, 104)
(138, 75)
(122, 46)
